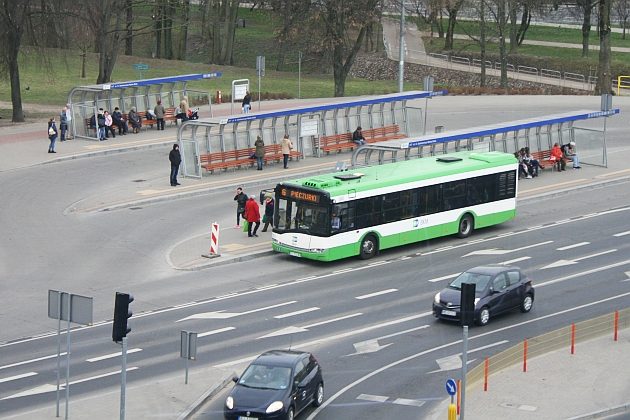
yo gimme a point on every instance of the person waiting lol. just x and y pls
(523, 170)
(532, 164)
(134, 119)
(557, 157)
(118, 121)
(569, 152)
(357, 136)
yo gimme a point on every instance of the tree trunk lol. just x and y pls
(108, 41)
(586, 26)
(158, 30)
(512, 5)
(482, 41)
(183, 40)
(502, 24)
(13, 49)
(341, 69)
(448, 40)
(604, 76)
(129, 27)
(525, 21)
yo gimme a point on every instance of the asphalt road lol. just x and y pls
(279, 301)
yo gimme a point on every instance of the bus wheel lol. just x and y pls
(368, 247)
(466, 225)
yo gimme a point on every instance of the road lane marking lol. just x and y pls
(622, 234)
(583, 273)
(562, 263)
(43, 389)
(450, 276)
(495, 251)
(564, 248)
(515, 260)
(405, 401)
(220, 330)
(372, 345)
(25, 362)
(382, 292)
(303, 311)
(111, 355)
(329, 321)
(226, 315)
(364, 378)
(16, 377)
(374, 398)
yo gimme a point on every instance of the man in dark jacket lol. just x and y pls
(176, 158)
(241, 200)
(119, 122)
(357, 136)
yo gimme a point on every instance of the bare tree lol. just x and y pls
(586, 7)
(452, 8)
(604, 76)
(183, 38)
(292, 13)
(219, 19)
(622, 9)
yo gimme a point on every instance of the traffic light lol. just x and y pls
(467, 300)
(121, 314)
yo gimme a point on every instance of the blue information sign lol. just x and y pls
(451, 387)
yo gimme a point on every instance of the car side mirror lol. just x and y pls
(235, 379)
(491, 290)
(296, 384)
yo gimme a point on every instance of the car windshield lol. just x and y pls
(479, 280)
(266, 377)
(298, 216)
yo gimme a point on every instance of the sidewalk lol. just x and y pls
(592, 383)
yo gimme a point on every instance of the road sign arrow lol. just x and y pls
(492, 251)
(210, 315)
(284, 331)
(42, 389)
(368, 346)
(562, 263)
(627, 273)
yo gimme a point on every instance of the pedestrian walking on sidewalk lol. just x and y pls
(70, 134)
(176, 158)
(241, 201)
(247, 103)
(252, 215)
(268, 216)
(260, 152)
(52, 135)
(287, 146)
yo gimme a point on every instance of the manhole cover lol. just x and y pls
(139, 180)
(135, 208)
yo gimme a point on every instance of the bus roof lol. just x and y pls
(378, 176)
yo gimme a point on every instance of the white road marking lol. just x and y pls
(515, 260)
(405, 401)
(328, 321)
(375, 398)
(226, 315)
(111, 355)
(303, 311)
(450, 276)
(220, 330)
(364, 378)
(382, 292)
(42, 389)
(16, 377)
(562, 263)
(25, 362)
(454, 361)
(372, 345)
(283, 331)
(564, 248)
(622, 233)
(583, 273)
(495, 251)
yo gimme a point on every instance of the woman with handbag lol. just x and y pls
(268, 216)
(287, 146)
(52, 135)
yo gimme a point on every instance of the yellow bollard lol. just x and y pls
(452, 412)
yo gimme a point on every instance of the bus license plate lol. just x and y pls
(294, 254)
(447, 312)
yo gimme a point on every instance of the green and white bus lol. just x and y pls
(342, 214)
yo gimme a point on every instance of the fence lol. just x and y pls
(551, 341)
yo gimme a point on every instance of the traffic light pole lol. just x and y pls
(464, 371)
(123, 378)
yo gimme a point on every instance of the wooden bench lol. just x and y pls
(169, 116)
(542, 157)
(338, 142)
(241, 157)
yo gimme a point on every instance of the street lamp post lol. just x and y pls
(401, 53)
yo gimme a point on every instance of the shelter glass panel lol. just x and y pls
(239, 136)
(553, 137)
(590, 145)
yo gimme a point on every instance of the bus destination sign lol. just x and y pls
(300, 195)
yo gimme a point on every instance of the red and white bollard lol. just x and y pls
(214, 242)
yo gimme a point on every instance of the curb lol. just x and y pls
(207, 395)
(105, 152)
(230, 260)
(604, 413)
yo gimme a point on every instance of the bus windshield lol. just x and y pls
(299, 216)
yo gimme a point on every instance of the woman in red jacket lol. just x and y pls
(252, 215)
(557, 157)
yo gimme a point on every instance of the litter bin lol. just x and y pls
(439, 128)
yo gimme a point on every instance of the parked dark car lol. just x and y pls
(279, 384)
(498, 289)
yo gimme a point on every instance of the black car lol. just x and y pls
(498, 288)
(279, 384)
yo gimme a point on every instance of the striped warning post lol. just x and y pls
(214, 242)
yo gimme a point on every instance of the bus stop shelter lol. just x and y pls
(586, 128)
(142, 94)
(304, 125)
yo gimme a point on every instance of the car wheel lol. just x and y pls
(290, 414)
(466, 226)
(527, 303)
(484, 316)
(319, 395)
(369, 247)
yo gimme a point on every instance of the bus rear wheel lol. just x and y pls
(369, 247)
(466, 226)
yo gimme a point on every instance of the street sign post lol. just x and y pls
(451, 389)
(260, 70)
(188, 348)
